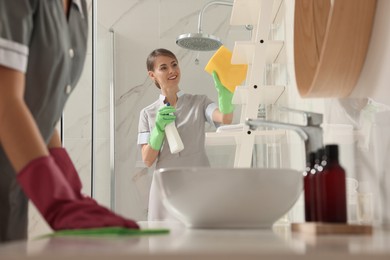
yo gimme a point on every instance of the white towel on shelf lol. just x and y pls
(230, 128)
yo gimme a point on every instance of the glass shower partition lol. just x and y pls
(103, 143)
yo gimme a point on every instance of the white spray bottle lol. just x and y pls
(173, 137)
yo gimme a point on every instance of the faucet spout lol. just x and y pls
(311, 134)
(254, 123)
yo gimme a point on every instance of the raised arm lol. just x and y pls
(224, 114)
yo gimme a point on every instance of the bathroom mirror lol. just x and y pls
(124, 33)
(101, 118)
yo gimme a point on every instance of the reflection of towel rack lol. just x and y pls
(256, 53)
(259, 52)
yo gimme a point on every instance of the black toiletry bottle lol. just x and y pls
(310, 188)
(333, 188)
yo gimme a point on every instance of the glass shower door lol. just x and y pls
(103, 178)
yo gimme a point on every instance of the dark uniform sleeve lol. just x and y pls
(16, 25)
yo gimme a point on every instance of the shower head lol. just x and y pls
(198, 41)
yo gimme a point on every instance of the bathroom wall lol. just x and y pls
(368, 111)
(360, 125)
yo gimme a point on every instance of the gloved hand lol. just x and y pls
(60, 201)
(164, 117)
(63, 161)
(224, 96)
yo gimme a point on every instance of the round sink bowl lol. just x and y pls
(229, 197)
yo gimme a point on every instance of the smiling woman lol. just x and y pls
(189, 112)
(121, 87)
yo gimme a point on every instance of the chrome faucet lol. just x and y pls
(311, 132)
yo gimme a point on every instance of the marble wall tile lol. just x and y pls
(37, 226)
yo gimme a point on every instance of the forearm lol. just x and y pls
(149, 155)
(19, 134)
(227, 118)
(220, 117)
(55, 140)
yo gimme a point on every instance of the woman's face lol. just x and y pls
(166, 72)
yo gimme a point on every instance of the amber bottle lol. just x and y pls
(333, 201)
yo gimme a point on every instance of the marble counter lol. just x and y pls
(183, 243)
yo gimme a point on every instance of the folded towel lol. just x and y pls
(230, 128)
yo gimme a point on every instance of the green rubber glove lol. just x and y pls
(164, 117)
(224, 96)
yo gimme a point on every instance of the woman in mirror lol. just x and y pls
(189, 112)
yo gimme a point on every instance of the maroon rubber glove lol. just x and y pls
(58, 202)
(64, 162)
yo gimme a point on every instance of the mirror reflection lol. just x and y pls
(126, 35)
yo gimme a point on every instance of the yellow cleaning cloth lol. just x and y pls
(230, 75)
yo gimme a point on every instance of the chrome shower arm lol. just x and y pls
(206, 6)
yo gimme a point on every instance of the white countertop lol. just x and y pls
(183, 243)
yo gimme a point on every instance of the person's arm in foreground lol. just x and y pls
(224, 114)
(19, 135)
(43, 181)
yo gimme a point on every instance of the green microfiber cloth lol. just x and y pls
(107, 231)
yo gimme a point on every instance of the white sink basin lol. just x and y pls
(229, 197)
